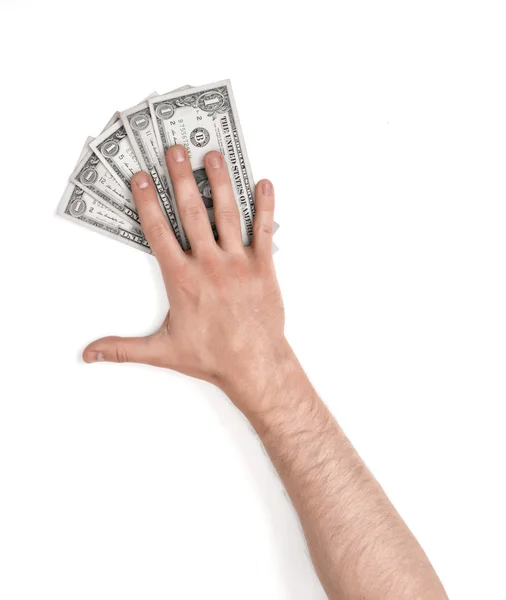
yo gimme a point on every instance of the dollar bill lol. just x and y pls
(203, 119)
(139, 128)
(91, 175)
(113, 149)
(117, 115)
(81, 208)
(99, 193)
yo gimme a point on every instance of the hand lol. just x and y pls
(226, 318)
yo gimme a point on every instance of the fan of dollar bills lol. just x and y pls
(99, 194)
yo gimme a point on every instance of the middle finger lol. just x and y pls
(189, 201)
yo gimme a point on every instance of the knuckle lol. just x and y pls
(263, 228)
(210, 260)
(211, 266)
(180, 271)
(227, 215)
(121, 355)
(157, 232)
(241, 266)
(194, 211)
(264, 267)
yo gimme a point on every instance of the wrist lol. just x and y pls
(272, 383)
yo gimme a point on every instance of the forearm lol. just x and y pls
(225, 325)
(360, 546)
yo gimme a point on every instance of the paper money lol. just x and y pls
(203, 119)
(139, 128)
(113, 149)
(82, 209)
(92, 175)
(85, 210)
(116, 116)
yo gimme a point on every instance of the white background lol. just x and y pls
(383, 127)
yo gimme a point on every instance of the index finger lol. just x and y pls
(157, 230)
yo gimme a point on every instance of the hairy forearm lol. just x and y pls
(225, 326)
(360, 546)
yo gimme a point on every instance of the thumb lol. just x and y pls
(123, 349)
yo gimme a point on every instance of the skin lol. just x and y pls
(226, 326)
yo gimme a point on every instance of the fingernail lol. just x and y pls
(92, 357)
(267, 188)
(141, 180)
(178, 155)
(215, 161)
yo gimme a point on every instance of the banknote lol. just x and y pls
(139, 128)
(203, 119)
(89, 212)
(91, 175)
(116, 116)
(82, 209)
(113, 149)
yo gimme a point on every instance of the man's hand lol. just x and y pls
(225, 325)
(226, 316)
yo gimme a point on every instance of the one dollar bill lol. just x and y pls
(124, 154)
(81, 208)
(203, 119)
(139, 127)
(91, 175)
(114, 150)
